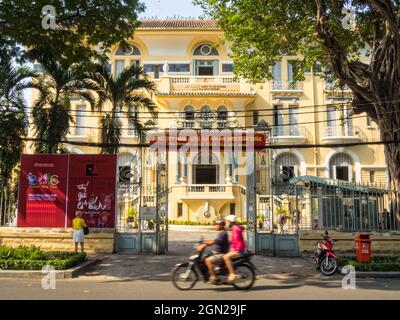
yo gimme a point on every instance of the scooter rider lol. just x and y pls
(221, 247)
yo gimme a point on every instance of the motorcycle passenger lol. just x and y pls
(221, 247)
(238, 246)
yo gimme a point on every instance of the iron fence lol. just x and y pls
(8, 205)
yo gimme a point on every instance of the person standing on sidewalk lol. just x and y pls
(78, 224)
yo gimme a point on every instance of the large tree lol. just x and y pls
(322, 30)
(51, 110)
(125, 95)
(13, 119)
(83, 29)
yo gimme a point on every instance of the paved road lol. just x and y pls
(148, 277)
(265, 289)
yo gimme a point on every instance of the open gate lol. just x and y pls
(266, 203)
(142, 203)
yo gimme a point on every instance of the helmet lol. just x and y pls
(231, 218)
(220, 223)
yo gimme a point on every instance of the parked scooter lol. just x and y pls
(185, 275)
(324, 256)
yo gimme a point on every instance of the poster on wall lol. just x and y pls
(43, 186)
(92, 186)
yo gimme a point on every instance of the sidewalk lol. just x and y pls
(158, 267)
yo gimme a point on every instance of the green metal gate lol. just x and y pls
(142, 205)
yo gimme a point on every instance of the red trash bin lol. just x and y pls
(363, 247)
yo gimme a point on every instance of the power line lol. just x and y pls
(239, 127)
(281, 146)
(143, 114)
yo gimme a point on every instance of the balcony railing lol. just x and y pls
(285, 85)
(341, 131)
(288, 131)
(200, 83)
(209, 121)
(292, 134)
(205, 188)
(330, 86)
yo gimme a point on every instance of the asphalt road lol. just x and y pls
(264, 289)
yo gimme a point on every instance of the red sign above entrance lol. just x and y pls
(222, 139)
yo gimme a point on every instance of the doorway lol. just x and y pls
(206, 68)
(205, 174)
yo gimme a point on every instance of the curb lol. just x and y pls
(60, 274)
(376, 274)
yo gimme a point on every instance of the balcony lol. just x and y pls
(206, 192)
(286, 86)
(208, 121)
(212, 85)
(289, 134)
(339, 134)
(330, 86)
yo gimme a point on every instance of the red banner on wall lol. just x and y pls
(54, 187)
(43, 186)
(93, 194)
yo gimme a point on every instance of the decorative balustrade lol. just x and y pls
(286, 85)
(200, 83)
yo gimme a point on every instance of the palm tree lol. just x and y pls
(129, 92)
(13, 120)
(51, 111)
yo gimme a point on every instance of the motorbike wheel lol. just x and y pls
(246, 275)
(178, 277)
(328, 266)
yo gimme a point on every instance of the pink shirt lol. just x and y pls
(238, 243)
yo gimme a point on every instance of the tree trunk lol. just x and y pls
(392, 154)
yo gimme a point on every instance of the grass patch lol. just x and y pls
(378, 263)
(33, 258)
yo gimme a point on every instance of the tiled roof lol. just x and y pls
(206, 93)
(178, 24)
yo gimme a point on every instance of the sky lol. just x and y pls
(168, 8)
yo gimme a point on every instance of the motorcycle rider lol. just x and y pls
(238, 246)
(221, 247)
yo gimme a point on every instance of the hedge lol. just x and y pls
(58, 264)
(33, 258)
(378, 263)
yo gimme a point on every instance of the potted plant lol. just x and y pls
(131, 215)
(260, 220)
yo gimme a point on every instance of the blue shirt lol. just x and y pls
(222, 242)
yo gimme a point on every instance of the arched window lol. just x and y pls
(131, 50)
(286, 166)
(205, 50)
(189, 113)
(205, 117)
(125, 58)
(205, 61)
(189, 117)
(222, 117)
(341, 167)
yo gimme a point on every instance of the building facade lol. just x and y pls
(197, 89)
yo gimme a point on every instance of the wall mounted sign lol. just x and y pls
(54, 187)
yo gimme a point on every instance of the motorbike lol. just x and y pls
(325, 258)
(185, 275)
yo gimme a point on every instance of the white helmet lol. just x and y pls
(231, 218)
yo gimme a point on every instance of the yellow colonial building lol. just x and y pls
(197, 89)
